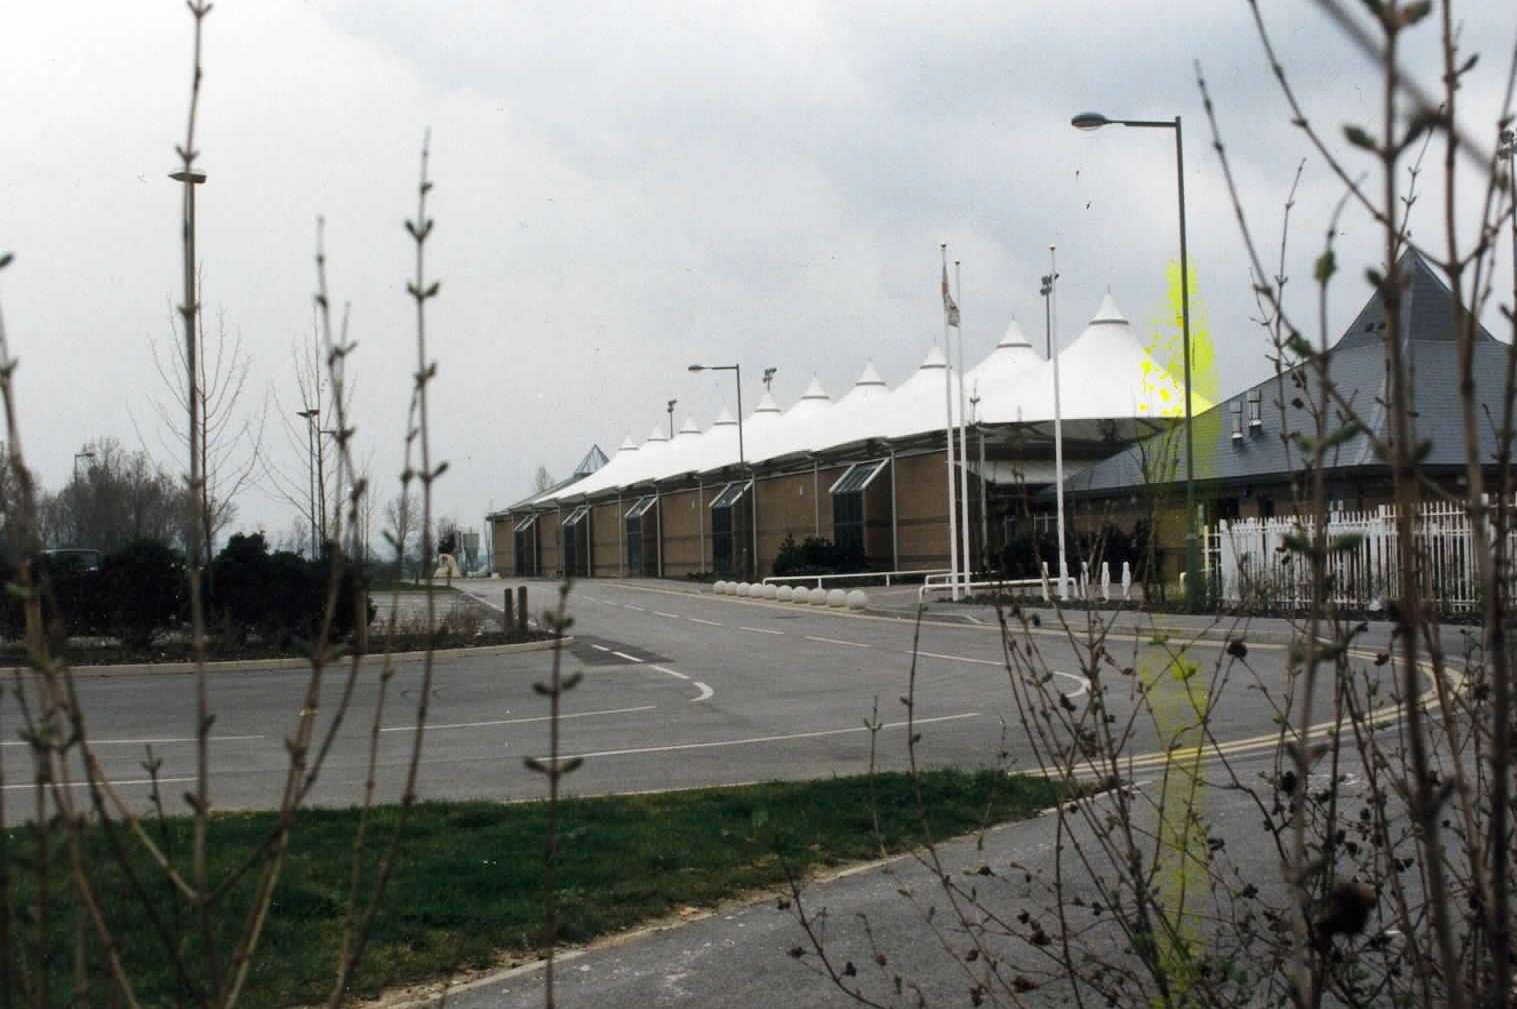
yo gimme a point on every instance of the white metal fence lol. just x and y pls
(1252, 561)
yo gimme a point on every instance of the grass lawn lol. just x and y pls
(468, 884)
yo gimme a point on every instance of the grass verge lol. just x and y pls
(468, 886)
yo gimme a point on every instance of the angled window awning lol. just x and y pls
(858, 476)
(577, 516)
(731, 494)
(525, 524)
(641, 506)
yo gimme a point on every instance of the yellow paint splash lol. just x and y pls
(1164, 368)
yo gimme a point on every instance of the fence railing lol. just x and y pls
(898, 576)
(1254, 563)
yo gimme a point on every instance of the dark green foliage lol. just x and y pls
(1026, 552)
(146, 590)
(816, 556)
(278, 595)
(468, 882)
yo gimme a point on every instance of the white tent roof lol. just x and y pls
(1104, 373)
(799, 429)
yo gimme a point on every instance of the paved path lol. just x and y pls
(681, 688)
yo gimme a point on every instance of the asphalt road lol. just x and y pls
(681, 688)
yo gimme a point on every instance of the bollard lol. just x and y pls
(858, 599)
(521, 611)
(507, 621)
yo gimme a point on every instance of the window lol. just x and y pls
(858, 477)
(526, 523)
(1255, 410)
(641, 506)
(1237, 412)
(577, 516)
(848, 509)
(730, 495)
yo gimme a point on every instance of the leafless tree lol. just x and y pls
(119, 496)
(542, 480)
(230, 439)
(400, 526)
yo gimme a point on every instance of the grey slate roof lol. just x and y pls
(1358, 370)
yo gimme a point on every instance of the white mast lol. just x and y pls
(967, 554)
(1058, 422)
(949, 310)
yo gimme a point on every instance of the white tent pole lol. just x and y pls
(967, 554)
(1058, 420)
(953, 527)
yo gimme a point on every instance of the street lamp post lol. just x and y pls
(742, 462)
(672, 403)
(77, 457)
(199, 482)
(1094, 121)
(312, 420)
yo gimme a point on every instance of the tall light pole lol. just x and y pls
(199, 482)
(1049, 279)
(312, 420)
(78, 504)
(1094, 121)
(672, 402)
(77, 456)
(742, 462)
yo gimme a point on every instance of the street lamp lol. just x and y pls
(312, 420)
(199, 482)
(77, 456)
(737, 371)
(672, 402)
(1094, 121)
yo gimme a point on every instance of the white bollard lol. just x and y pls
(1105, 582)
(1045, 581)
(818, 597)
(720, 588)
(783, 593)
(858, 600)
(766, 591)
(837, 598)
(1126, 580)
(802, 595)
(743, 588)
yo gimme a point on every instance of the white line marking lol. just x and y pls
(1082, 681)
(835, 641)
(661, 613)
(706, 693)
(519, 721)
(624, 655)
(114, 781)
(698, 620)
(145, 742)
(960, 658)
(599, 648)
(629, 606)
(759, 739)
(760, 630)
(973, 620)
(666, 669)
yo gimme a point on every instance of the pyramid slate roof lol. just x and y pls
(1358, 370)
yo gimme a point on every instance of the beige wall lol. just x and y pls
(547, 536)
(922, 511)
(786, 507)
(504, 541)
(606, 529)
(685, 518)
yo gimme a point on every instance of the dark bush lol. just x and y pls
(1026, 552)
(816, 556)
(145, 591)
(277, 595)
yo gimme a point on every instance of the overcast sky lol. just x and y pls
(622, 189)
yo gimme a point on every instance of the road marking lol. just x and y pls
(698, 620)
(666, 669)
(629, 606)
(760, 630)
(114, 782)
(624, 655)
(706, 693)
(960, 658)
(759, 739)
(599, 648)
(835, 641)
(973, 620)
(147, 742)
(520, 721)
(661, 613)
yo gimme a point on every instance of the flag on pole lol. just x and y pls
(950, 308)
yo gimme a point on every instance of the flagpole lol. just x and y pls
(966, 553)
(953, 529)
(1058, 420)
